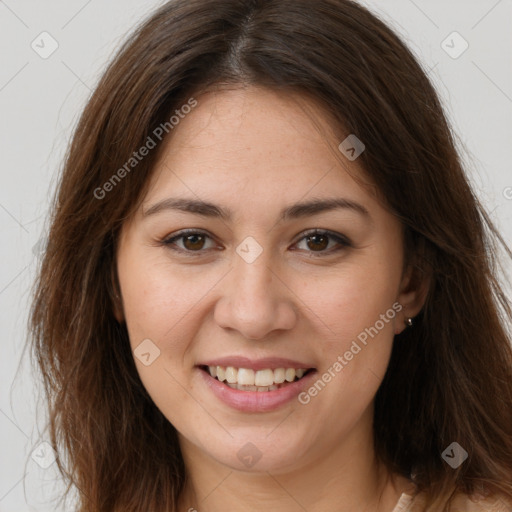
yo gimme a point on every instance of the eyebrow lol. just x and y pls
(294, 211)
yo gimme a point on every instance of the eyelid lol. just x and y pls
(342, 240)
(339, 237)
(169, 240)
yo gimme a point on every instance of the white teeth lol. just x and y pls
(247, 379)
(279, 375)
(289, 374)
(231, 375)
(221, 373)
(264, 378)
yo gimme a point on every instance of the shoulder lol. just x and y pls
(492, 503)
(465, 503)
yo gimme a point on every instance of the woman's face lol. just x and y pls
(254, 293)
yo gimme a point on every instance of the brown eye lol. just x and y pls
(190, 242)
(317, 242)
(193, 242)
(323, 242)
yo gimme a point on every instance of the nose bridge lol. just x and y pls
(252, 263)
(255, 302)
(253, 283)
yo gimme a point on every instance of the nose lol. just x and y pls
(255, 300)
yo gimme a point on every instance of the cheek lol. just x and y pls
(159, 299)
(348, 301)
(161, 305)
(358, 310)
(355, 309)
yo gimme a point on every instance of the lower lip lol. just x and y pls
(256, 401)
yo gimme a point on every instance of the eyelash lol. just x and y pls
(343, 241)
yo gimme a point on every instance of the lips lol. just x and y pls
(256, 364)
(256, 385)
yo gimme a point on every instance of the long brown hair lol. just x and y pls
(450, 375)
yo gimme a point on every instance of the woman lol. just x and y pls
(268, 282)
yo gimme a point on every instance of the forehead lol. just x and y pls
(251, 138)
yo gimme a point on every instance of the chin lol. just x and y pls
(259, 453)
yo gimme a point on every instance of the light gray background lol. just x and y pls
(40, 100)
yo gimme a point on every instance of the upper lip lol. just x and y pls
(256, 364)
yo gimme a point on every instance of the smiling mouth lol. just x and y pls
(246, 379)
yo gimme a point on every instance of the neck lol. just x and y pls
(343, 478)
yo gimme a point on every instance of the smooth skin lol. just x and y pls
(254, 152)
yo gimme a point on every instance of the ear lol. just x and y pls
(413, 293)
